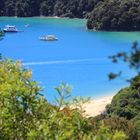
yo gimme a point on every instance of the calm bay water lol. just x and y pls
(79, 57)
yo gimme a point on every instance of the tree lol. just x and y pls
(2, 7)
(9, 9)
(28, 8)
(26, 114)
(132, 58)
(19, 101)
(115, 15)
(126, 103)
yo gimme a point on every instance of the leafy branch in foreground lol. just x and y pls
(64, 92)
(132, 58)
(125, 104)
(26, 114)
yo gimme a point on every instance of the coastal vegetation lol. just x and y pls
(115, 15)
(61, 8)
(26, 113)
(131, 58)
(126, 103)
(108, 15)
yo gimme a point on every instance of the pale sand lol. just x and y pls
(96, 107)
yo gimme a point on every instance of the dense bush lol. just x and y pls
(126, 104)
(26, 114)
(127, 126)
(110, 15)
(116, 15)
(64, 8)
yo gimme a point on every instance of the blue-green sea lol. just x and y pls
(79, 57)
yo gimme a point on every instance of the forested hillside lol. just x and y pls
(63, 8)
(110, 15)
(126, 104)
(115, 15)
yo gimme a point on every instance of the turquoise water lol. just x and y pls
(79, 57)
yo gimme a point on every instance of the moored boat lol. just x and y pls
(48, 38)
(27, 25)
(10, 28)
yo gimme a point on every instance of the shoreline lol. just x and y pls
(55, 17)
(97, 106)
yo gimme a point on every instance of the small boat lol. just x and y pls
(9, 28)
(27, 25)
(48, 38)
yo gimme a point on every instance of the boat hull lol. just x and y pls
(48, 39)
(10, 31)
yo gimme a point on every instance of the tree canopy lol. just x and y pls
(62, 8)
(126, 103)
(108, 15)
(26, 114)
(115, 15)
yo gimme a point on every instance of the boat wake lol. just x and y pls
(64, 61)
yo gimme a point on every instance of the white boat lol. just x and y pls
(27, 25)
(48, 38)
(9, 28)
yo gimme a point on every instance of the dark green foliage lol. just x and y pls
(132, 58)
(2, 2)
(115, 15)
(112, 76)
(136, 122)
(126, 104)
(119, 15)
(135, 83)
(62, 8)
(127, 126)
(47, 8)
(9, 8)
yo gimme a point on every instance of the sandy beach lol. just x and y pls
(96, 107)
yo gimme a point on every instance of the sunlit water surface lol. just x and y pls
(79, 57)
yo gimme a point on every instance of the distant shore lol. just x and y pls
(97, 106)
(59, 17)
